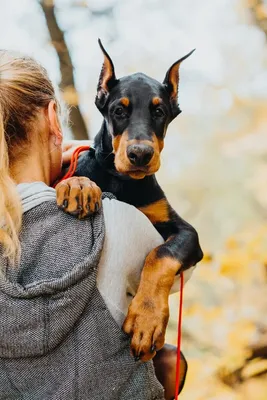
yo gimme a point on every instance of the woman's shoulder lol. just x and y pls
(54, 242)
(47, 219)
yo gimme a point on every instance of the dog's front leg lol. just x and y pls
(148, 313)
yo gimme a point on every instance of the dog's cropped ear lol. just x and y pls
(171, 82)
(107, 79)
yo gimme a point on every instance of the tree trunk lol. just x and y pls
(67, 84)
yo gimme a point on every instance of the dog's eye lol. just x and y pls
(119, 112)
(159, 113)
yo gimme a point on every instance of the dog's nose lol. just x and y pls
(140, 154)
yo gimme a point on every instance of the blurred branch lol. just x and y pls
(253, 366)
(67, 83)
(259, 12)
(106, 12)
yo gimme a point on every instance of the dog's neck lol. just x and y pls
(103, 147)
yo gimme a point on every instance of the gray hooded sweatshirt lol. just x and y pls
(58, 338)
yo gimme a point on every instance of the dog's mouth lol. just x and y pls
(136, 173)
(123, 166)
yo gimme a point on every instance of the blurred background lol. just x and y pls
(214, 166)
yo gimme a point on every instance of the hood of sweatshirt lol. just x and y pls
(43, 297)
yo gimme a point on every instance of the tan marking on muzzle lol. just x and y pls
(120, 144)
(116, 143)
(122, 162)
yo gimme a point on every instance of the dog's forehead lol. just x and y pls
(140, 86)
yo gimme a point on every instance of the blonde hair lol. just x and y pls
(24, 89)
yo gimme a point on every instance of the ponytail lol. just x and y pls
(24, 89)
(10, 205)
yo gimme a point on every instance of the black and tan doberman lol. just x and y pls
(124, 159)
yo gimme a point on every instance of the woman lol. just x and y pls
(64, 286)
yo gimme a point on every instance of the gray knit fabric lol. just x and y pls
(58, 340)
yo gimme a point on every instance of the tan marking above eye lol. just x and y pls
(125, 101)
(156, 101)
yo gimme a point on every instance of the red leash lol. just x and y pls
(179, 336)
(69, 174)
(73, 163)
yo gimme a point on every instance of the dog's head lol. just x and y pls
(137, 110)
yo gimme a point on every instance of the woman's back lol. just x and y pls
(58, 338)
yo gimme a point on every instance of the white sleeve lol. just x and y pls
(129, 237)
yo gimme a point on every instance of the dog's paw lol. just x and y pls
(146, 323)
(78, 196)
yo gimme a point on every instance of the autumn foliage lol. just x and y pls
(225, 329)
